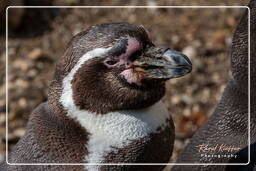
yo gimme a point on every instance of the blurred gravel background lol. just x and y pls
(38, 37)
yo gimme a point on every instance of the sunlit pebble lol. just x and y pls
(187, 112)
(21, 83)
(190, 51)
(21, 64)
(187, 99)
(175, 99)
(19, 132)
(22, 102)
(35, 53)
(175, 39)
(205, 95)
(195, 108)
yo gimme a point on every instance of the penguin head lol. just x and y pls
(115, 66)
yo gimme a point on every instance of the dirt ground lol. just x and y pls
(38, 37)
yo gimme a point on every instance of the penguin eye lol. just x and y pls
(110, 62)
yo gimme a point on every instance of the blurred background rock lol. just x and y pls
(38, 37)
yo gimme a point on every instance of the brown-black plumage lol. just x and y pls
(229, 122)
(100, 85)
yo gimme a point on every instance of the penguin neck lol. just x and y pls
(114, 130)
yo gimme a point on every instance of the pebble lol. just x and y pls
(190, 51)
(22, 102)
(35, 54)
(21, 64)
(21, 83)
(19, 132)
(175, 39)
(187, 99)
(187, 112)
(2, 119)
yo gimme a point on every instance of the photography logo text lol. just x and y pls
(217, 150)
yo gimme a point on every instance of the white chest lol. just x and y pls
(118, 129)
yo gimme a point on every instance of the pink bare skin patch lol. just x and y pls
(130, 75)
(133, 46)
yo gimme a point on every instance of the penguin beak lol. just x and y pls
(163, 63)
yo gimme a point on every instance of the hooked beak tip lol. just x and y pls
(178, 63)
(176, 58)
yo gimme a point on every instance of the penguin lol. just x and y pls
(104, 104)
(228, 125)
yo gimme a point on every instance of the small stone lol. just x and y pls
(187, 99)
(195, 108)
(187, 112)
(175, 99)
(19, 132)
(21, 83)
(35, 54)
(205, 95)
(190, 51)
(22, 102)
(175, 39)
(21, 64)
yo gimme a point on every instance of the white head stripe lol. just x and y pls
(114, 129)
(67, 94)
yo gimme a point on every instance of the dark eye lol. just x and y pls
(111, 62)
